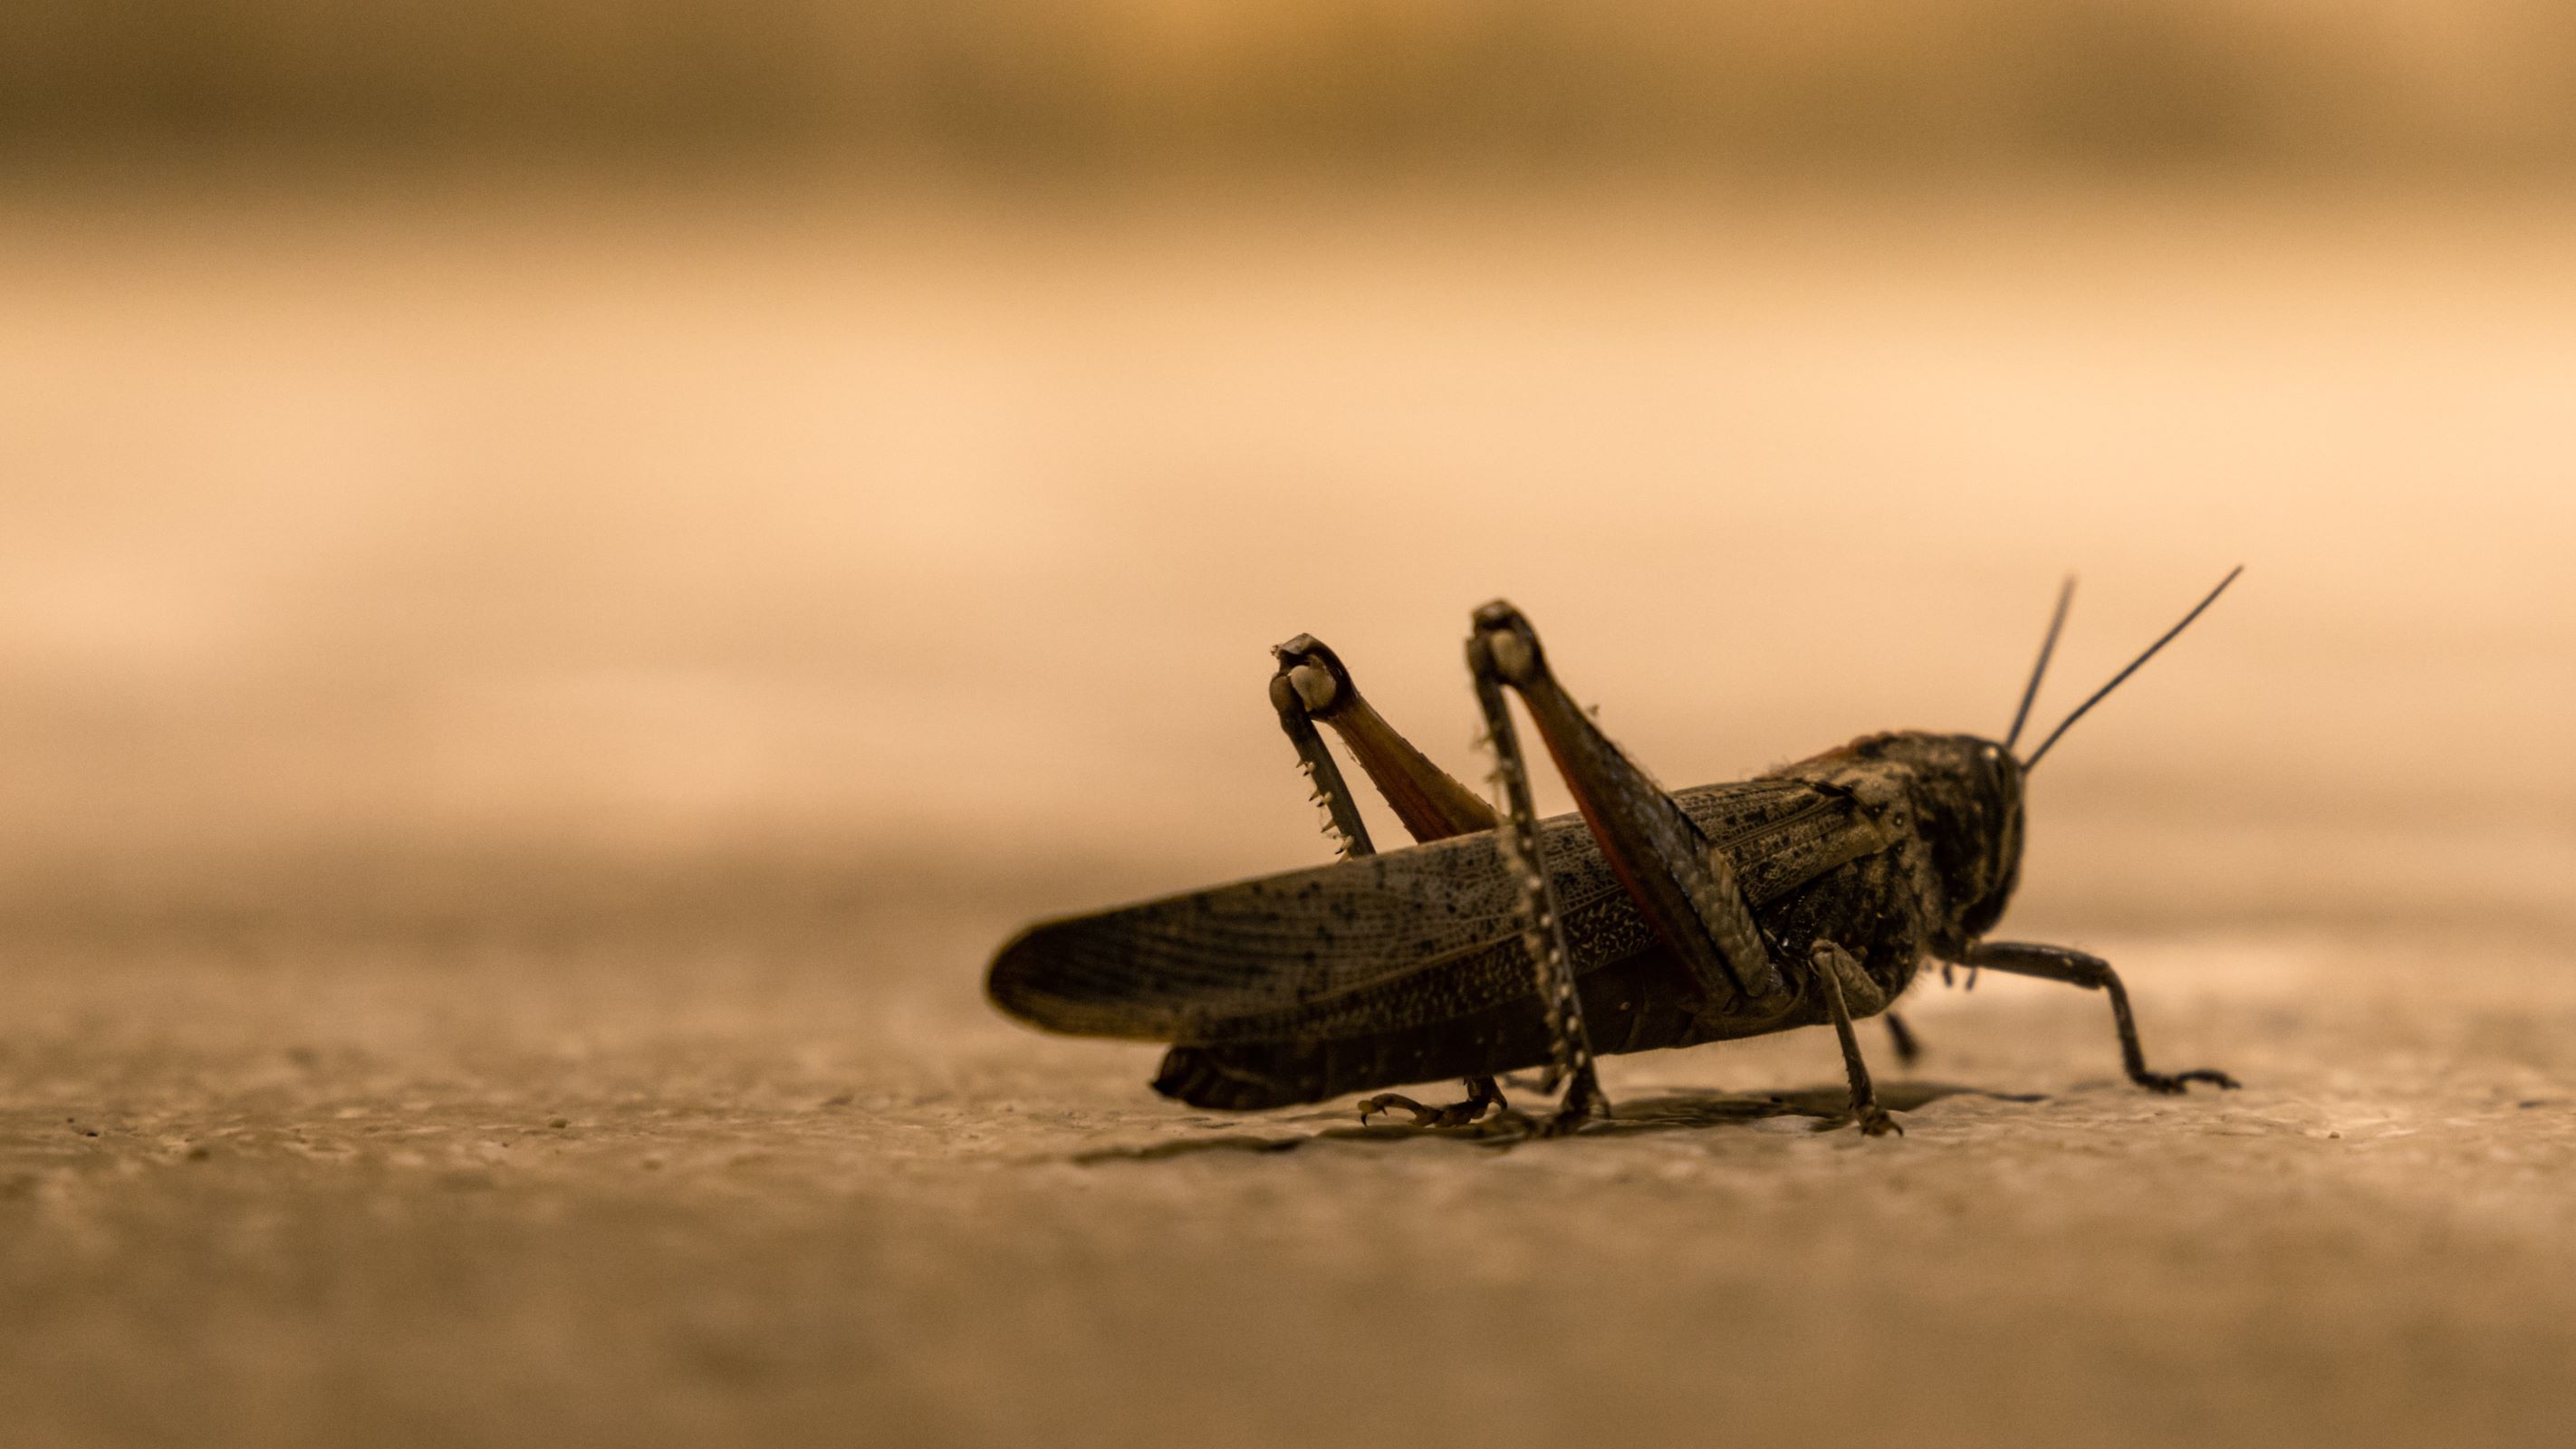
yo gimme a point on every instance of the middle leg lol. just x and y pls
(1909, 1048)
(1843, 978)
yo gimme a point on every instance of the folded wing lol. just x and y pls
(1422, 934)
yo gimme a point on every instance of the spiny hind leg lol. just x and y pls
(2077, 968)
(1310, 684)
(1542, 927)
(1682, 884)
(1843, 980)
(1684, 887)
(1339, 811)
(1429, 800)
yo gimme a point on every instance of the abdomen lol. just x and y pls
(1631, 1005)
(1643, 1000)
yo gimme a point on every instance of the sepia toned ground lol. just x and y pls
(526, 717)
(618, 1193)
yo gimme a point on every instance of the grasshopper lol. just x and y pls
(1811, 895)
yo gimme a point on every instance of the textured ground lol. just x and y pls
(327, 1191)
(522, 719)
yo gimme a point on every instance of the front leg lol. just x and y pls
(2076, 968)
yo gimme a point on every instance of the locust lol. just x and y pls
(1499, 941)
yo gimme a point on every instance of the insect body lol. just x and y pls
(1807, 896)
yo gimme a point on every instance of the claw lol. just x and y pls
(2174, 1084)
(1389, 1102)
(1456, 1114)
(1872, 1121)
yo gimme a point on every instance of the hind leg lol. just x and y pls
(1430, 801)
(1341, 813)
(1482, 1092)
(1684, 886)
(1312, 685)
(1542, 927)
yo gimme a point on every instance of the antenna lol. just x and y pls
(2047, 646)
(2062, 727)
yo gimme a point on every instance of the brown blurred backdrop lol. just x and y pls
(871, 447)
(568, 570)
(1449, 85)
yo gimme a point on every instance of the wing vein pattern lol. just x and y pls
(1409, 937)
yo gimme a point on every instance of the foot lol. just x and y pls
(1456, 1114)
(2173, 1085)
(1872, 1121)
(1565, 1122)
(1583, 1101)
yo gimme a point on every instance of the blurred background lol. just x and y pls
(472, 451)
(1445, 88)
(568, 570)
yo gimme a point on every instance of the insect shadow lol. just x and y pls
(1676, 1111)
